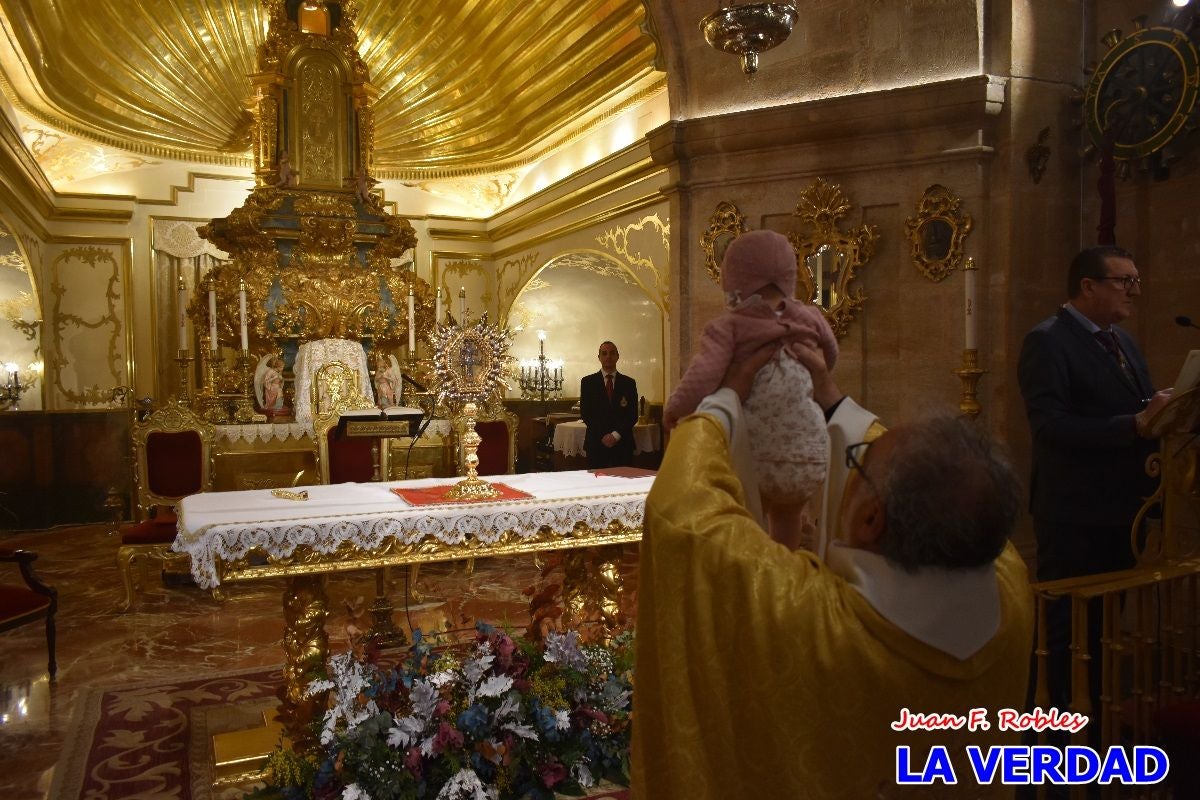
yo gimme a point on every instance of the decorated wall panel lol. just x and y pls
(20, 326)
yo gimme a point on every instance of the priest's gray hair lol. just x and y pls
(950, 496)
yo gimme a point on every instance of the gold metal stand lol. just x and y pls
(184, 360)
(970, 373)
(592, 587)
(208, 403)
(472, 487)
(383, 630)
(244, 403)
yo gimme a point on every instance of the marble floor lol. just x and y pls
(183, 630)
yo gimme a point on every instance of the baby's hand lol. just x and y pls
(669, 421)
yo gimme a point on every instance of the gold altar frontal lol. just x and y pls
(252, 535)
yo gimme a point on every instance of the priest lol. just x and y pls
(764, 672)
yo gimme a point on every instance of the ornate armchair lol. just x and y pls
(173, 458)
(497, 426)
(335, 389)
(20, 605)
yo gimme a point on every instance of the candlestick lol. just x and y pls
(183, 342)
(242, 315)
(412, 329)
(462, 304)
(970, 272)
(437, 311)
(212, 320)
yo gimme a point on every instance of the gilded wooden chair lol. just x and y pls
(343, 459)
(173, 459)
(497, 427)
(22, 604)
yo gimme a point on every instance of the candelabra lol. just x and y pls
(541, 377)
(10, 392)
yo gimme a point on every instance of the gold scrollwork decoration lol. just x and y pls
(937, 233)
(828, 259)
(725, 225)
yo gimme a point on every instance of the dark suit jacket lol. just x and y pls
(1088, 461)
(602, 417)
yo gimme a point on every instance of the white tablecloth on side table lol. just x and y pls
(569, 436)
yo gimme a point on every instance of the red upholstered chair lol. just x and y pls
(173, 450)
(342, 460)
(497, 427)
(22, 604)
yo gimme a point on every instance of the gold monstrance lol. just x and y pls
(471, 362)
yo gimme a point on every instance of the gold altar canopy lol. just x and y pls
(317, 255)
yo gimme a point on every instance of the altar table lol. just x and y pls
(248, 535)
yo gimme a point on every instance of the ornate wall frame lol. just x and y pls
(828, 259)
(937, 233)
(725, 225)
(471, 361)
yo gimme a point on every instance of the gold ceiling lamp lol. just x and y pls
(319, 256)
(749, 29)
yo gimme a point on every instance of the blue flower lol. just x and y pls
(474, 721)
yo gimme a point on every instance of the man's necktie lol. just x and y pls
(608, 386)
(1109, 340)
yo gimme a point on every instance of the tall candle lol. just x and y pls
(437, 311)
(970, 273)
(412, 328)
(462, 304)
(183, 342)
(212, 320)
(242, 315)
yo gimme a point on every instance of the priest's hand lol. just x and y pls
(825, 391)
(740, 375)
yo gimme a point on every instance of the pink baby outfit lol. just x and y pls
(785, 426)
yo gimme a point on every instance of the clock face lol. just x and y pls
(1143, 92)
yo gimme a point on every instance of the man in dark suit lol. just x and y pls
(1088, 396)
(608, 405)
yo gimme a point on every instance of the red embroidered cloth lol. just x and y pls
(436, 495)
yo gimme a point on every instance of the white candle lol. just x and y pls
(183, 342)
(412, 328)
(462, 304)
(212, 320)
(242, 315)
(969, 302)
(437, 311)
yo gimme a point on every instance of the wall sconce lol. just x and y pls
(16, 383)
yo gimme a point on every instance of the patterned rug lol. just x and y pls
(154, 741)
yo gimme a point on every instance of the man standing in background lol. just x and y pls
(608, 406)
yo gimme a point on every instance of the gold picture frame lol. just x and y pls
(726, 224)
(937, 233)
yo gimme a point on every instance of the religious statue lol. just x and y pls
(287, 177)
(388, 380)
(268, 384)
(470, 360)
(362, 188)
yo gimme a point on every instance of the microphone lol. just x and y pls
(1186, 322)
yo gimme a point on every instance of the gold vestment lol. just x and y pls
(762, 674)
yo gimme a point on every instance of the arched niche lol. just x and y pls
(20, 331)
(581, 299)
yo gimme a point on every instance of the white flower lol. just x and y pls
(562, 720)
(405, 732)
(524, 731)
(465, 785)
(508, 705)
(424, 697)
(581, 773)
(563, 648)
(495, 686)
(354, 792)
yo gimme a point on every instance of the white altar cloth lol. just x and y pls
(569, 436)
(226, 526)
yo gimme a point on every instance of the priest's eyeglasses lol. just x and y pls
(856, 454)
(1127, 281)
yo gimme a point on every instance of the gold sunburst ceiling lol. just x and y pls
(465, 88)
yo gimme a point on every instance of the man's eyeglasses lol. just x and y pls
(856, 454)
(1127, 281)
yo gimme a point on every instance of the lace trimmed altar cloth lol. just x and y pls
(313, 355)
(225, 526)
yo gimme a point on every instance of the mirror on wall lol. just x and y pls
(829, 258)
(20, 335)
(937, 233)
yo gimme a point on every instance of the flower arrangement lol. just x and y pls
(508, 718)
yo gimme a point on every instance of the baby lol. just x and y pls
(784, 425)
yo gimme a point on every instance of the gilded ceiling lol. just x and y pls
(465, 88)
